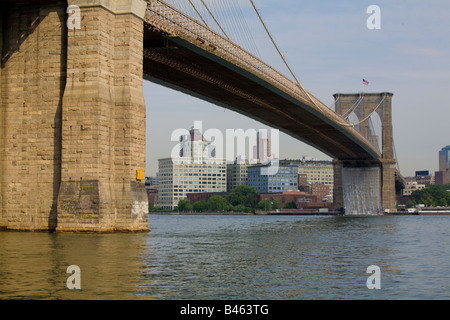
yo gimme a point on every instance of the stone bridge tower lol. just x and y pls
(364, 105)
(72, 118)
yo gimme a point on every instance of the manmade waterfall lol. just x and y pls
(361, 191)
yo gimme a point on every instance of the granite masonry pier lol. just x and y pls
(72, 116)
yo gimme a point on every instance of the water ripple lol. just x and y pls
(236, 257)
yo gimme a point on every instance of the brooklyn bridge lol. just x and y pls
(72, 139)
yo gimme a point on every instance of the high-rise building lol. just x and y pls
(444, 158)
(195, 147)
(263, 147)
(177, 179)
(196, 171)
(262, 151)
(285, 179)
(443, 175)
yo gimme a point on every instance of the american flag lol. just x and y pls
(365, 82)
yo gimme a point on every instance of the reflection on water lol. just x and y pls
(235, 257)
(33, 265)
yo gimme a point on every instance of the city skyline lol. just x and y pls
(331, 50)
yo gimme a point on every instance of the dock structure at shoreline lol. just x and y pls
(300, 212)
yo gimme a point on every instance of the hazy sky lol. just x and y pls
(330, 49)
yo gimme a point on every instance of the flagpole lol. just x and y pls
(364, 83)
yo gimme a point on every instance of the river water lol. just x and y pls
(236, 257)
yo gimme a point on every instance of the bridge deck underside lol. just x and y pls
(185, 67)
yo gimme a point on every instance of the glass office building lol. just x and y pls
(285, 179)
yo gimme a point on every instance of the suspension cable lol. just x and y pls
(298, 82)
(198, 13)
(353, 107)
(279, 52)
(361, 121)
(334, 103)
(237, 12)
(293, 75)
(284, 60)
(395, 156)
(215, 20)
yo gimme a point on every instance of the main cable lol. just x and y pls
(215, 20)
(279, 52)
(198, 13)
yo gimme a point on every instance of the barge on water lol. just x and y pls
(423, 211)
(427, 211)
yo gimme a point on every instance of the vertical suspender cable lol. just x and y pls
(249, 37)
(198, 13)
(290, 70)
(215, 20)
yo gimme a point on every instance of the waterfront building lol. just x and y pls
(204, 196)
(424, 177)
(298, 197)
(152, 181)
(152, 194)
(236, 174)
(196, 171)
(177, 179)
(313, 172)
(285, 179)
(412, 186)
(301, 199)
(320, 190)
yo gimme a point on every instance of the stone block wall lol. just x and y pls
(72, 117)
(32, 80)
(104, 122)
(380, 103)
